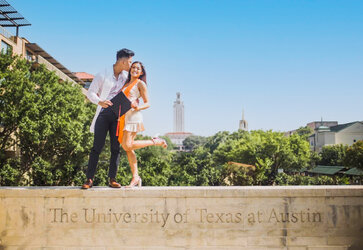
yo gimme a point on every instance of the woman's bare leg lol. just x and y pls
(131, 156)
(141, 144)
(130, 144)
(128, 138)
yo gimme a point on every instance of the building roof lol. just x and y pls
(354, 171)
(302, 170)
(9, 17)
(179, 133)
(324, 128)
(83, 75)
(39, 51)
(323, 122)
(329, 170)
(342, 126)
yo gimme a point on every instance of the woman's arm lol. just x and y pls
(143, 92)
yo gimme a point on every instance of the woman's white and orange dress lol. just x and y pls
(132, 121)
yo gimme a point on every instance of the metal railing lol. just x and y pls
(6, 34)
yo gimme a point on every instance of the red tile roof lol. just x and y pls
(83, 75)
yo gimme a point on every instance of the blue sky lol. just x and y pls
(286, 63)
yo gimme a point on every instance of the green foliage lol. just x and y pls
(315, 158)
(267, 150)
(354, 155)
(10, 172)
(214, 141)
(154, 164)
(168, 141)
(193, 141)
(46, 119)
(194, 168)
(237, 176)
(305, 132)
(285, 179)
(333, 155)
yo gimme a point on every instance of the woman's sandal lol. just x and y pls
(157, 141)
(134, 183)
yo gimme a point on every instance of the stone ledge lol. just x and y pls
(278, 217)
(169, 191)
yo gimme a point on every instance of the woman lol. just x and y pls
(132, 122)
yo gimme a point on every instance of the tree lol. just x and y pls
(285, 179)
(304, 132)
(47, 119)
(354, 155)
(236, 175)
(184, 170)
(333, 155)
(267, 150)
(154, 164)
(193, 141)
(213, 141)
(195, 168)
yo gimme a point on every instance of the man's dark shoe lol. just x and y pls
(112, 183)
(88, 184)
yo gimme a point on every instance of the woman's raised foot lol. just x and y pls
(159, 142)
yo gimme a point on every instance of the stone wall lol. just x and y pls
(304, 217)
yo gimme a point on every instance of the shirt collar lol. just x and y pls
(123, 73)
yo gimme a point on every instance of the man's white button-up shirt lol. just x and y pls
(98, 84)
(105, 86)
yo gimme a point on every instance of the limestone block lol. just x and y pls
(304, 217)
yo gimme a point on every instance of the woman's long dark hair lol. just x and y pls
(142, 77)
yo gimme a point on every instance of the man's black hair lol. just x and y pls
(124, 53)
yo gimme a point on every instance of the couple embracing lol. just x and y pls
(130, 78)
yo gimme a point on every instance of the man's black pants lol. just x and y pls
(106, 122)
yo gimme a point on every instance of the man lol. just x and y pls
(103, 88)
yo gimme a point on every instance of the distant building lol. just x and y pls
(177, 138)
(178, 114)
(314, 125)
(178, 135)
(243, 125)
(85, 77)
(346, 134)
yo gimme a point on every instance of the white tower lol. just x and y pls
(243, 124)
(178, 114)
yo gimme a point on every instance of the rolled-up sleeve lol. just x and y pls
(93, 90)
